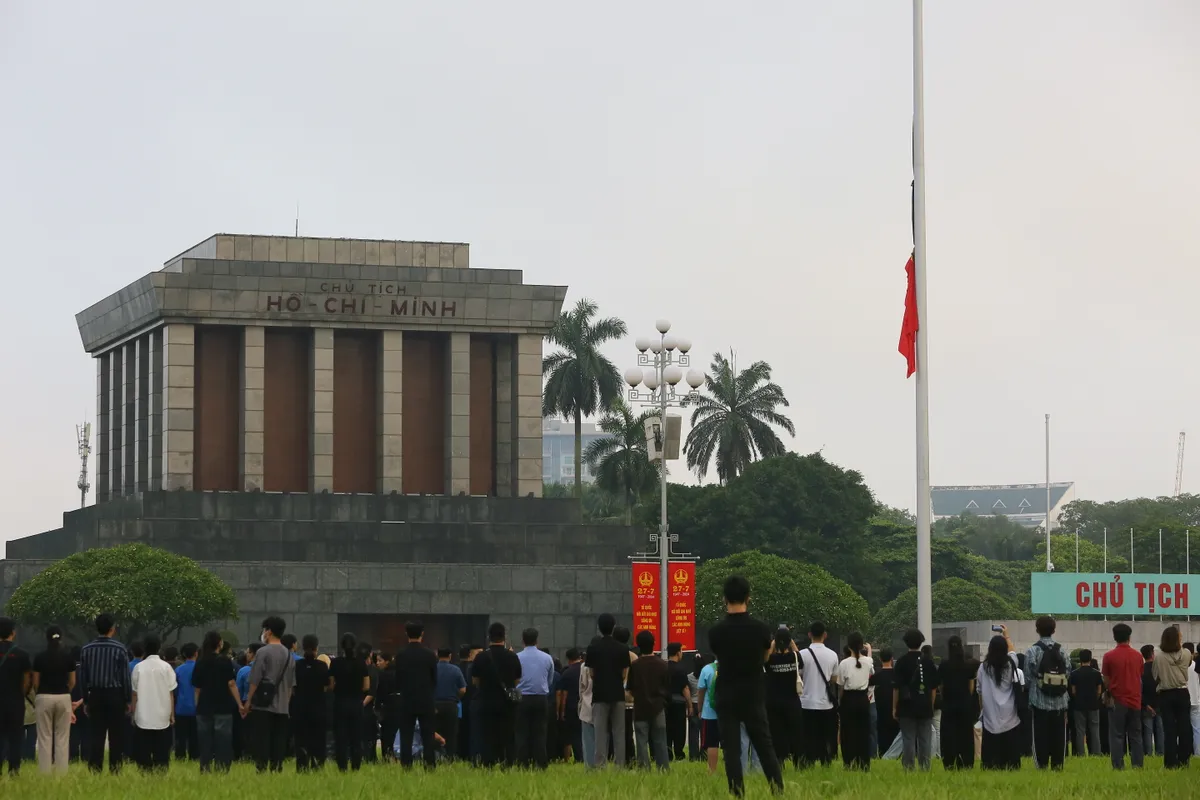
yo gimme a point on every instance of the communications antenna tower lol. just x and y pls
(1179, 465)
(83, 434)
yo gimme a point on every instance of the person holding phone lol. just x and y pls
(784, 685)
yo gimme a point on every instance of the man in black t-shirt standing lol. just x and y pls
(679, 703)
(495, 672)
(885, 685)
(609, 662)
(1086, 684)
(16, 676)
(742, 645)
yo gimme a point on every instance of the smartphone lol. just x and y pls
(998, 628)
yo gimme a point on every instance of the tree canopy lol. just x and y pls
(954, 600)
(781, 591)
(145, 590)
(620, 461)
(733, 419)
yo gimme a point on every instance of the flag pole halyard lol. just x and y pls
(924, 503)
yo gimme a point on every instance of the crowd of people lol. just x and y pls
(762, 699)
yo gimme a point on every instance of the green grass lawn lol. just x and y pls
(1083, 778)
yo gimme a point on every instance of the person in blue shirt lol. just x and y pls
(533, 712)
(293, 645)
(243, 675)
(447, 696)
(137, 651)
(187, 744)
(710, 734)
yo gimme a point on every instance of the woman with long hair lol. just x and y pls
(783, 698)
(350, 686)
(53, 680)
(214, 680)
(853, 676)
(1170, 669)
(999, 681)
(309, 716)
(960, 708)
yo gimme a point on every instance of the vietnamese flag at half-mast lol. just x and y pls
(908, 329)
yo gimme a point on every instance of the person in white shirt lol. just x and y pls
(854, 676)
(153, 707)
(1193, 687)
(817, 663)
(998, 681)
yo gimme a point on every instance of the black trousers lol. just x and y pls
(271, 739)
(309, 735)
(998, 750)
(1049, 738)
(428, 722)
(855, 718)
(187, 739)
(446, 724)
(12, 734)
(958, 738)
(370, 735)
(532, 719)
(787, 730)
(347, 733)
(887, 727)
(153, 748)
(106, 719)
(677, 729)
(1174, 706)
(389, 725)
(499, 726)
(730, 718)
(820, 736)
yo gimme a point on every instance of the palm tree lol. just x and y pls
(619, 461)
(579, 380)
(734, 418)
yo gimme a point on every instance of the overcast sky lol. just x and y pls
(745, 175)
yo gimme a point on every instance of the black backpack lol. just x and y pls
(1052, 671)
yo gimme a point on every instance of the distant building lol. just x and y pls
(1023, 503)
(558, 449)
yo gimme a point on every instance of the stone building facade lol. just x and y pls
(349, 432)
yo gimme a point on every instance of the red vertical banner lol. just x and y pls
(682, 604)
(645, 598)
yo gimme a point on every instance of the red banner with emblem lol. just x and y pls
(681, 602)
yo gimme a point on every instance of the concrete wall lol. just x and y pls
(561, 602)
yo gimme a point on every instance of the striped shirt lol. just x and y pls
(104, 664)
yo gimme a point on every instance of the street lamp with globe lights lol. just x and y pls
(666, 359)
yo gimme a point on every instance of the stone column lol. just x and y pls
(321, 472)
(504, 416)
(155, 422)
(116, 418)
(101, 454)
(178, 406)
(391, 409)
(253, 383)
(129, 418)
(141, 395)
(458, 419)
(527, 416)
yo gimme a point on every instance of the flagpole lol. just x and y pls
(1106, 560)
(924, 503)
(1049, 563)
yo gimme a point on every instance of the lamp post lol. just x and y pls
(666, 360)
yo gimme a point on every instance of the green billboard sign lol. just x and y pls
(1111, 594)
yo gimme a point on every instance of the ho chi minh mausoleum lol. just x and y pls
(346, 431)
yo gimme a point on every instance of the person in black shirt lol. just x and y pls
(350, 686)
(16, 676)
(609, 662)
(370, 729)
(309, 718)
(387, 702)
(885, 686)
(53, 680)
(495, 673)
(960, 707)
(1086, 684)
(416, 675)
(679, 703)
(783, 700)
(217, 700)
(566, 703)
(741, 645)
(916, 681)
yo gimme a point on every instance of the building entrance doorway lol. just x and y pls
(386, 631)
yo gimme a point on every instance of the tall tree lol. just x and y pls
(620, 461)
(733, 419)
(579, 380)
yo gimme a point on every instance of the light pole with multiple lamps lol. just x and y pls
(667, 357)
